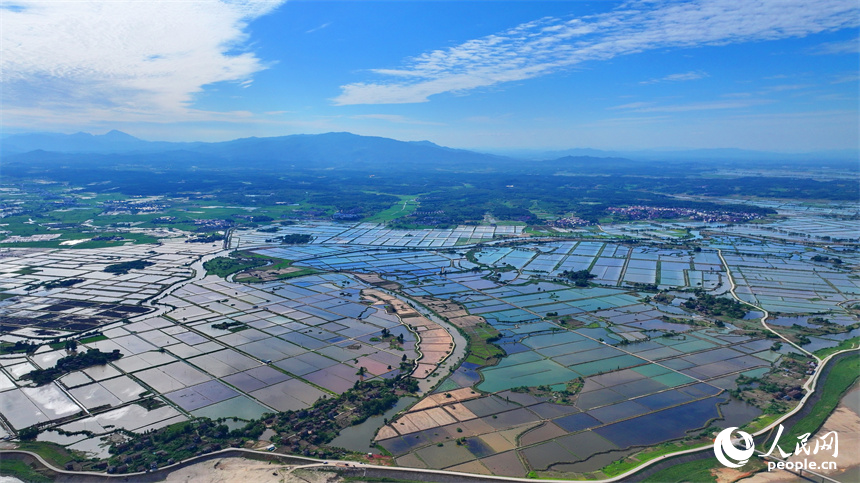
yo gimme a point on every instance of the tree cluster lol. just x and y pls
(124, 267)
(580, 278)
(705, 303)
(74, 362)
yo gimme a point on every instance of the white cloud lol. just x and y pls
(633, 105)
(395, 118)
(787, 87)
(834, 48)
(853, 77)
(685, 76)
(318, 28)
(692, 106)
(550, 44)
(130, 59)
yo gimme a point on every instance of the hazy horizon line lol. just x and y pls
(481, 149)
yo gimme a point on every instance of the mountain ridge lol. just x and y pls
(348, 151)
(336, 150)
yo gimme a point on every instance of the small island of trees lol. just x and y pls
(580, 278)
(125, 267)
(708, 304)
(74, 362)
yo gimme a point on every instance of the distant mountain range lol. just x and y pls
(301, 151)
(348, 151)
(114, 142)
(716, 154)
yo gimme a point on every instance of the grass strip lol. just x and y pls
(626, 464)
(842, 376)
(845, 344)
(52, 453)
(22, 471)
(698, 471)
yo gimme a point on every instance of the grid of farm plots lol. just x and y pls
(661, 230)
(784, 278)
(96, 298)
(436, 274)
(396, 264)
(377, 235)
(611, 264)
(298, 341)
(509, 304)
(793, 208)
(23, 270)
(641, 384)
(629, 393)
(316, 335)
(802, 228)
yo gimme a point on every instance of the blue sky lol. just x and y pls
(757, 74)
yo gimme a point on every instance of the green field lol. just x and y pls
(241, 261)
(52, 453)
(481, 349)
(403, 207)
(698, 471)
(71, 234)
(22, 471)
(225, 266)
(845, 344)
(627, 464)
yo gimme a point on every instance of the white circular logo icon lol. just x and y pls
(726, 451)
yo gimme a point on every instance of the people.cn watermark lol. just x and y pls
(734, 452)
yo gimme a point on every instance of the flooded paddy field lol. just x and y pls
(615, 364)
(785, 278)
(623, 388)
(374, 234)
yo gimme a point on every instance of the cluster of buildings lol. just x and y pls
(132, 207)
(640, 212)
(347, 216)
(213, 224)
(10, 211)
(569, 222)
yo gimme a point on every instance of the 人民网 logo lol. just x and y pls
(730, 455)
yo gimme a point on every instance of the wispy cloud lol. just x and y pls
(130, 59)
(853, 77)
(787, 87)
(628, 120)
(395, 118)
(691, 106)
(633, 105)
(549, 44)
(318, 28)
(685, 76)
(834, 48)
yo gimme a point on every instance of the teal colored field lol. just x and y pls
(542, 372)
(606, 365)
(673, 379)
(517, 359)
(694, 345)
(651, 370)
(547, 340)
(568, 348)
